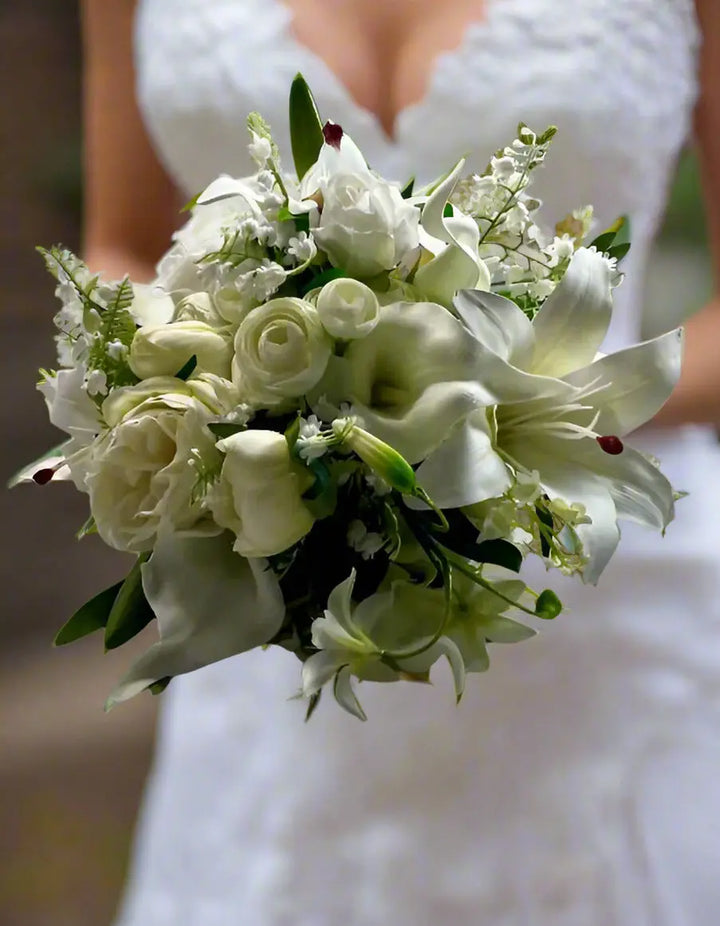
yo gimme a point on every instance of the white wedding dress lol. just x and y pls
(578, 783)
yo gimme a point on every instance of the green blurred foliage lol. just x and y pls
(684, 221)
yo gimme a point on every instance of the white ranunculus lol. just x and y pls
(163, 350)
(281, 351)
(347, 308)
(365, 225)
(199, 307)
(259, 493)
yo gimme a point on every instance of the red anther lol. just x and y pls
(611, 444)
(43, 476)
(332, 133)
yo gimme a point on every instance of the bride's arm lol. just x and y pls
(697, 397)
(131, 206)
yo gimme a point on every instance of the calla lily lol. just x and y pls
(421, 373)
(210, 603)
(453, 243)
(557, 433)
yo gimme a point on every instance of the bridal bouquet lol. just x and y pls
(345, 412)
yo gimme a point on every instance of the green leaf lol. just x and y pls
(158, 687)
(131, 612)
(448, 211)
(89, 527)
(321, 497)
(618, 251)
(306, 134)
(320, 279)
(187, 369)
(190, 205)
(604, 241)
(92, 616)
(301, 219)
(292, 432)
(407, 190)
(548, 605)
(225, 428)
(546, 519)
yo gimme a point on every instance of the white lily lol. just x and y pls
(209, 602)
(556, 434)
(452, 241)
(415, 381)
(378, 640)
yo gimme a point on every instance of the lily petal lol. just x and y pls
(318, 670)
(498, 324)
(465, 468)
(573, 321)
(636, 382)
(345, 696)
(576, 485)
(640, 491)
(210, 603)
(456, 264)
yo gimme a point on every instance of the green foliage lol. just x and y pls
(130, 612)
(306, 130)
(187, 369)
(92, 616)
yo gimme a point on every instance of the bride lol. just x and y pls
(577, 784)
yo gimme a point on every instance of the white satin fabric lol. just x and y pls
(578, 784)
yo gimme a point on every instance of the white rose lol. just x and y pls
(259, 494)
(347, 308)
(163, 350)
(281, 351)
(140, 480)
(365, 225)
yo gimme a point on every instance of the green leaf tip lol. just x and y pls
(130, 612)
(306, 134)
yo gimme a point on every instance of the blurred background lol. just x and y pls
(70, 775)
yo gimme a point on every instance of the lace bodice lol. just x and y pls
(577, 783)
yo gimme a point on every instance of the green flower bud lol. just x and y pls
(379, 456)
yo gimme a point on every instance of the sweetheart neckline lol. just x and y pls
(393, 139)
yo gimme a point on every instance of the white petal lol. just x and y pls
(498, 324)
(453, 655)
(210, 603)
(640, 491)
(571, 325)
(637, 382)
(465, 468)
(574, 484)
(504, 630)
(318, 670)
(457, 264)
(225, 187)
(345, 696)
